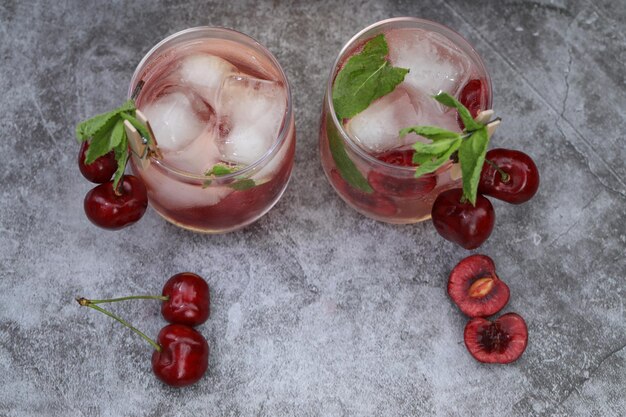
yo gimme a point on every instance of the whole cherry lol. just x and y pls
(183, 357)
(99, 171)
(188, 299)
(500, 341)
(111, 209)
(181, 353)
(509, 175)
(473, 95)
(460, 222)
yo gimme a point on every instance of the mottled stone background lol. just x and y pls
(317, 311)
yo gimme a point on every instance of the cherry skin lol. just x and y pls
(518, 181)
(402, 158)
(108, 210)
(99, 171)
(188, 299)
(184, 355)
(460, 222)
(401, 187)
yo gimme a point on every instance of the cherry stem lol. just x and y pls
(505, 176)
(132, 297)
(88, 303)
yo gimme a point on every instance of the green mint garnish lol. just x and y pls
(218, 170)
(348, 171)
(471, 147)
(365, 77)
(105, 133)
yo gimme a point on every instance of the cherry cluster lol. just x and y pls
(181, 353)
(478, 292)
(507, 175)
(106, 206)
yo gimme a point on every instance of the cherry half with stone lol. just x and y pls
(475, 288)
(500, 341)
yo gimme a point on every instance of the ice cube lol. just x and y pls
(199, 156)
(205, 73)
(175, 120)
(435, 63)
(174, 194)
(250, 114)
(376, 129)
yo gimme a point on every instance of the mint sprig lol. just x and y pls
(105, 133)
(366, 76)
(218, 170)
(471, 146)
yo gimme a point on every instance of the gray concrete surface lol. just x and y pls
(317, 311)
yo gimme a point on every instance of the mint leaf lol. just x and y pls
(349, 172)
(365, 77)
(469, 122)
(433, 133)
(472, 157)
(219, 170)
(243, 184)
(434, 161)
(90, 127)
(105, 140)
(435, 148)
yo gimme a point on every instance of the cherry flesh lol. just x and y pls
(374, 203)
(512, 176)
(188, 299)
(184, 355)
(475, 288)
(106, 209)
(99, 171)
(460, 222)
(472, 96)
(500, 341)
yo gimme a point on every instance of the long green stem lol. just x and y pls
(131, 297)
(88, 303)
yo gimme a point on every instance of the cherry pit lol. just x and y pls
(181, 353)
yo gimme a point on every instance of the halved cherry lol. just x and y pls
(472, 96)
(374, 203)
(474, 286)
(500, 341)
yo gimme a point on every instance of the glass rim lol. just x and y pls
(356, 38)
(286, 121)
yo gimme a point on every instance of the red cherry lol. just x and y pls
(99, 171)
(188, 299)
(372, 203)
(500, 341)
(184, 355)
(108, 210)
(517, 183)
(398, 157)
(472, 96)
(462, 223)
(402, 187)
(474, 287)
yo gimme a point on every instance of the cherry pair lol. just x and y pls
(507, 175)
(478, 292)
(181, 353)
(105, 206)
